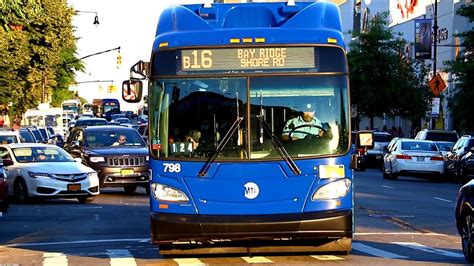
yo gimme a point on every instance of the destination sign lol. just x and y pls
(264, 58)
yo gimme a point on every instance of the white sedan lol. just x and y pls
(47, 171)
(413, 158)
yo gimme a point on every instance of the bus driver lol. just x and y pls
(306, 118)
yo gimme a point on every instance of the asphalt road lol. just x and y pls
(397, 223)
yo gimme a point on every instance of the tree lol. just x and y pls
(382, 81)
(36, 40)
(463, 69)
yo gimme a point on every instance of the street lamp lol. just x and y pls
(96, 18)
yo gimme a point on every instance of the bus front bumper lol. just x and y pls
(168, 228)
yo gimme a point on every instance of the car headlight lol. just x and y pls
(92, 175)
(147, 158)
(97, 159)
(333, 190)
(36, 175)
(166, 193)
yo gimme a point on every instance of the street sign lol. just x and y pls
(437, 85)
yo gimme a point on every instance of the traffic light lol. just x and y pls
(119, 60)
(112, 89)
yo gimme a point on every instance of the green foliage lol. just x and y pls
(36, 42)
(382, 81)
(461, 103)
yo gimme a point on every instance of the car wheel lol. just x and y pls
(130, 189)
(392, 176)
(20, 191)
(384, 172)
(84, 199)
(467, 238)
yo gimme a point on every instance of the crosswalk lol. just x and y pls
(411, 251)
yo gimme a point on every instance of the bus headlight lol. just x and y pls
(333, 190)
(166, 193)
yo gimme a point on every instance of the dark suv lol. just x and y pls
(460, 160)
(118, 164)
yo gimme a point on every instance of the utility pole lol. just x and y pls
(435, 42)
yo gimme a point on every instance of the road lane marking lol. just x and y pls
(189, 261)
(75, 242)
(399, 233)
(421, 247)
(376, 252)
(388, 187)
(326, 257)
(445, 200)
(54, 259)
(257, 259)
(120, 257)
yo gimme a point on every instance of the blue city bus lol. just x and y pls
(106, 107)
(228, 170)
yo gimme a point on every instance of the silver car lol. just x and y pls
(47, 171)
(413, 158)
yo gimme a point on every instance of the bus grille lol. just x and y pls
(127, 161)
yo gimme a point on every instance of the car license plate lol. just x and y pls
(420, 159)
(73, 187)
(126, 172)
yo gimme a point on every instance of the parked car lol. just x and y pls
(459, 160)
(27, 136)
(47, 171)
(9, 136)
(464, 214)
(413, 158)
(437, 135)
(375, 155)
(4, 185)
(118, 165)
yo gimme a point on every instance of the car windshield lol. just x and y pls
(418, 146)
(41, 155)
(7, 139)
(113, 138)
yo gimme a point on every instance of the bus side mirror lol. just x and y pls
(365, 139)
(132, 91)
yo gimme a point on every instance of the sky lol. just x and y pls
(130, 25)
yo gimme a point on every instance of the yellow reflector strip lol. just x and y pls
(332, 40)
(260, 40)
(163, 44)
(163, 206)
(247, 40)
(234, 40)
(331, 171)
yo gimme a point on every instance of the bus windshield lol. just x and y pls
(249, 117)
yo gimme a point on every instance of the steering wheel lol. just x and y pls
(307, 125)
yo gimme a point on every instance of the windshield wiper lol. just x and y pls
(279, 147)
(220, 146)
